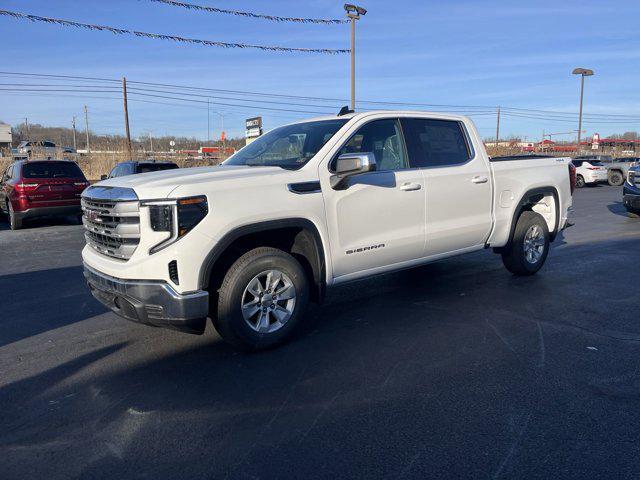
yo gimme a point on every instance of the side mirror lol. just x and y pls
(103, 177)
(350, 164)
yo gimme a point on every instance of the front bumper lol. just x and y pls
(631, 201)
(150, 302)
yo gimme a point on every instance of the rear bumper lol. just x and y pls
(150, 302)
(631, 201)
(49, 211)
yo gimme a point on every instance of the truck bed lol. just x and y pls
(519, 179)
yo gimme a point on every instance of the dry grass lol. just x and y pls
(95, 165)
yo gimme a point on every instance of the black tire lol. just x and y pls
(230, 322)
(514, 257)
(580, 183)
(616, 179)
(14, 222)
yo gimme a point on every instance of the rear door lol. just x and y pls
(458, 184)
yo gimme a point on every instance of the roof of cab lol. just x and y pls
(403, 113)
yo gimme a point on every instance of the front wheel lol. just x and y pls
(262, 300)
(580, 183)
(529, 247)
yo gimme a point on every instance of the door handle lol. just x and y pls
(410, 186)
(479, 179)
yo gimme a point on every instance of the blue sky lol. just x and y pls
(477, 53)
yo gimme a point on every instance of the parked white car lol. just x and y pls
(309, 206)
(590, 172)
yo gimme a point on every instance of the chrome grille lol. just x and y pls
(112, 225)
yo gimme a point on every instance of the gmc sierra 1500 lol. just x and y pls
(308, 206)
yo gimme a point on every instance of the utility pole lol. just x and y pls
(73, 123)
(498, 129)
(126, 117)
(26, 126)
(86, 122)
(208, 125)
(224, 137)
(353, 13)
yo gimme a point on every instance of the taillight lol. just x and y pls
(22, 187)
(593, 168)
(572, 177)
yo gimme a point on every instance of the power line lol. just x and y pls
(160, 36)
(238, 13)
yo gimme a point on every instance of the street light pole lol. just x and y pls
(583, 72)
(353, 13)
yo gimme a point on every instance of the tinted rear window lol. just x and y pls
(51, 170)
(435, 143)
(154, 167)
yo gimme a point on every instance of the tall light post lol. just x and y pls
(353, 13)
(583, 72)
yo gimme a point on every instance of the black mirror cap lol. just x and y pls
(103, 177)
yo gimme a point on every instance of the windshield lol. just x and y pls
(289, 147)
(595, 163)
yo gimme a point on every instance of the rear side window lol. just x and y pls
(435, 143)
(155, 167)
(51, 170)
(577, 163)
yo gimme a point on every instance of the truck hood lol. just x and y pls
(161, 184)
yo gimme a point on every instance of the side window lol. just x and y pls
(115, 172)
(383, 138)
(435, 143)
(577, 163)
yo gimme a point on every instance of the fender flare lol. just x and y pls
(525, 200)
(296, 222)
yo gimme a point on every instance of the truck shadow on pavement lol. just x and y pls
(619, 209)
(35, 302)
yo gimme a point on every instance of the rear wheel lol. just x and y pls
(580, 183)
(14, 222)
(529, 247)
(616, 178)
(262, 299)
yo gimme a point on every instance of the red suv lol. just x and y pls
(41, 188)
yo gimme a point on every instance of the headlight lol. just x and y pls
(631, 177)
(177, 217)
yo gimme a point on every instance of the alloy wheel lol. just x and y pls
(534, 244)
(268, 301)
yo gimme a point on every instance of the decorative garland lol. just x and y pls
(273, 18)
(158, 36)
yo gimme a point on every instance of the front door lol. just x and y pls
(379, 219)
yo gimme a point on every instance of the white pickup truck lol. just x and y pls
(308, 206)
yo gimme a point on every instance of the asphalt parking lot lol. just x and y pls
(453, 370)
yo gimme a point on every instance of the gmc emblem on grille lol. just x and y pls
(92, 215)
